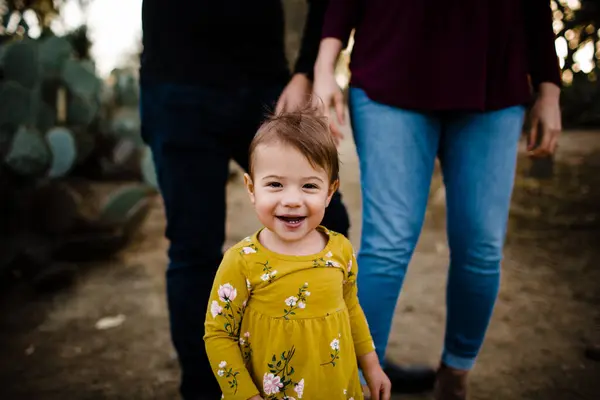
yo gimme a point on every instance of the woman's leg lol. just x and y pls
(478, 153)
(397, 151)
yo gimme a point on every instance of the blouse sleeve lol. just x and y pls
(363, 342)
(341, 17)
(543, 61)
(227, 301)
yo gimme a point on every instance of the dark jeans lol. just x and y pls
(194, 131)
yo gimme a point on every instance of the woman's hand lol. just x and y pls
(326, 92)
(545, 121)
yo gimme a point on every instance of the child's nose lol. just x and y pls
(292, 199)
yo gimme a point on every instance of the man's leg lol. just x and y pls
(397, 151)
(182, 126)
(259, 100)
(478, 154)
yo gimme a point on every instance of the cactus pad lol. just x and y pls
(80, 80)
(54, 52)
(21, 63)
(81, 111)
(121, 204)
(148, 168)
(28, 154)
(64, 151)
(15, 104)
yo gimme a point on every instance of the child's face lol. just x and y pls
(289, 195)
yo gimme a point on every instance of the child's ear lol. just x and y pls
(249, 186)
(332, 189)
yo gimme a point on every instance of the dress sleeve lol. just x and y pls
(363, 342)
(226, 306)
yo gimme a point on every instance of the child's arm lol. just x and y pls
(379, 384)
(226, 305)
(363, 342)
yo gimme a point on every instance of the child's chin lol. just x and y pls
(292, 235)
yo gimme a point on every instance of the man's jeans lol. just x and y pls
(397, 151)
(194, 131)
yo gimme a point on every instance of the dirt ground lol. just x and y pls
(547, 311)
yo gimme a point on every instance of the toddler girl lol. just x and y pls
(283, 320)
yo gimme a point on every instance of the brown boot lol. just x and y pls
(451, 384)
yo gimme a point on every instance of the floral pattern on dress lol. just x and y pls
(227, 372)
(229, 311)
(249, 249)
(296, 302)
(335, 351)
(349, 269)
(325, 262)
(279, 380)
(268, 272)
(245, 347)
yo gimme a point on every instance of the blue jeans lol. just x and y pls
(194, 131)
(397, 151)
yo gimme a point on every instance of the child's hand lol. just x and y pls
(379, 384)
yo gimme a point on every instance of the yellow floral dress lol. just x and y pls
(287, 327)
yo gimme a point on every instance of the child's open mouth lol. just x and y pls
(291, 220)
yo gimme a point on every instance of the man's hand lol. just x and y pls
(295, 94)
(545, 121)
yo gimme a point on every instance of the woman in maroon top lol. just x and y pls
(447, 79)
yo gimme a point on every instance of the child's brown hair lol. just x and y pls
(307, 131)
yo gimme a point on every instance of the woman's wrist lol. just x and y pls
(329, 50)
(549, 91)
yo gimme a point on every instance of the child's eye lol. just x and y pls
(310, 186)
(274, 184)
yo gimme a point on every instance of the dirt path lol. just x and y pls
(549, 298)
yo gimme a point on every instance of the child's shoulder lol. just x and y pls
(243, 247)
(338, 241)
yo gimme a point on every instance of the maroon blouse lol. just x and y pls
(472, 55)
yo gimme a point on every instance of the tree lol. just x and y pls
(577, 22)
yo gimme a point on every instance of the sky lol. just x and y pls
(114, 34)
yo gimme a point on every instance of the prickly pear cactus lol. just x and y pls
(6, 137)
(29, 154)
(117, 209)
(46, 117)
(64, 151)
(54, 122)
(21, 63)
(80, 80)
(81, 111)
(15, 104)
(54, 51)
(148, 168)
